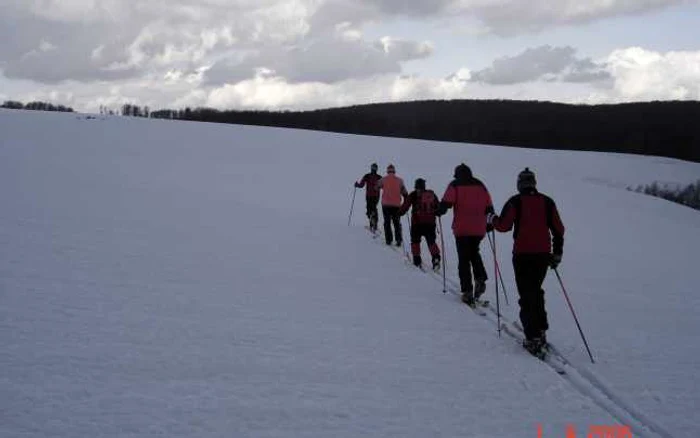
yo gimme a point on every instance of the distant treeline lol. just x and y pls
(35, 106)
(669, 129)
(662, 128)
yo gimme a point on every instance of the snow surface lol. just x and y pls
(188, 279)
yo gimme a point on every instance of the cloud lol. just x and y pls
(272, 92)
(331, 59)
(509, 17)
(96, 40)
(106, 40)
(541, 63)
(504, 17)
(641, 74)
(633, 74)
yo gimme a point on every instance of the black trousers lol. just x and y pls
(391, 216)
(530, 272)
(469, 259)
(372, 211)
(418, 231)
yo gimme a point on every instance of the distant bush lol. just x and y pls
(689, 195)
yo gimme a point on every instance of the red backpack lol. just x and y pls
(425, 205)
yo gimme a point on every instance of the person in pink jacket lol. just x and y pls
(471, 202)
(393, 191)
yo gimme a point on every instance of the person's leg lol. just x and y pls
(526, 280)
(386, 213)
(416, 231)
(429, 233)
(372, 202)
(540, 265)
(463, 265)
(477, 264)
(396, 219)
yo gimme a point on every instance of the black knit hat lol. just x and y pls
(526, 180)
(462, 171)
(420, 184)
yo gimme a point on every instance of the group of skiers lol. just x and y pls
(538, 233)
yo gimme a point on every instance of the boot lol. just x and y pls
(468, 298)
(479, 288)
(536, 346)
(373, 222)
(436, 262)
(417, 260)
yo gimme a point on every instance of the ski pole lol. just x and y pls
(352, 205)
(498, 265)
(496, 273)
(444, 258)
(574, 314)
(403, 241)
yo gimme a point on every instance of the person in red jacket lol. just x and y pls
(538, 234)
(472, 202)
(423, 204)
(371, 195)
(393, 191)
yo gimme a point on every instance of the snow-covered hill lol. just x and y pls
(189, 279)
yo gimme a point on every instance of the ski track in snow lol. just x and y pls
(582, 380)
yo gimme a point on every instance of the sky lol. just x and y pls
(307, 54)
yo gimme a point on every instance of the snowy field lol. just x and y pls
(175, 279)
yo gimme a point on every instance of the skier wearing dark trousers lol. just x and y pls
(472, 202)
(393, 191)
(371, 195)
(423, 204)
(538, 234)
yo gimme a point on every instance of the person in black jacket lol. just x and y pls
(538, 244)
(371, 195)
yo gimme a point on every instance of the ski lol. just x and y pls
(547, 354)
(476, 307)
(374, 233)
(482, 303)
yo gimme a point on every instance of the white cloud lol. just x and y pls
(641, 74)
(347, 32)
(117, 39)
(636, 74)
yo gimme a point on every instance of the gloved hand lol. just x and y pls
(490, 217)
(357, 185)
(554, 261)
(489, 228)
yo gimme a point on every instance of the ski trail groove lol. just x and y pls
(582, 380)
